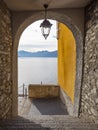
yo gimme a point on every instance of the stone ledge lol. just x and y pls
(43, 91)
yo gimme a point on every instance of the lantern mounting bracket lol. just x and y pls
(45, 25)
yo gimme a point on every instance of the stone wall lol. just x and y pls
(43, 91)
(89, 101)
(5, 62)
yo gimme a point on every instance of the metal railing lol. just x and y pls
(23, 90)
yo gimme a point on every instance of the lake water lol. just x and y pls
(37, 70)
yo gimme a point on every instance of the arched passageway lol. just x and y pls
(79, 54)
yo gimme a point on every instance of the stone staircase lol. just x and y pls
(45, 122)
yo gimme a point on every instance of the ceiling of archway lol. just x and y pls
(24, 5)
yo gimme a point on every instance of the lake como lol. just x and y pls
(37, 71)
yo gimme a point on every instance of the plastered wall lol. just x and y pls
(66, 60)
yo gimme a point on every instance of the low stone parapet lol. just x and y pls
(43, 91)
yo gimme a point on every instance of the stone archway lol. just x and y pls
(79, 55)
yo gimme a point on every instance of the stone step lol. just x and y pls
(50, 118)
(51, 125)
(37, 127)
(47, 123)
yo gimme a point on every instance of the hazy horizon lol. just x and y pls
(38, 51)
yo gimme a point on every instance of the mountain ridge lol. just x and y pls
(45, 53)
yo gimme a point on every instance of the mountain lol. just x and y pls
(37, 54)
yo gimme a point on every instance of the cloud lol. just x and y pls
(37, 46)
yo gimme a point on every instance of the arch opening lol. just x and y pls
(32, 44)
(79, 47)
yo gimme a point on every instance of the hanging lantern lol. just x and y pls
(45, 25)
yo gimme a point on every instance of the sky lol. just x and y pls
(32, 39)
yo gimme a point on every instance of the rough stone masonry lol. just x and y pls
(89, 96)
(5, 62)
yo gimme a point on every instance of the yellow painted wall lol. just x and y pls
(66, 60)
